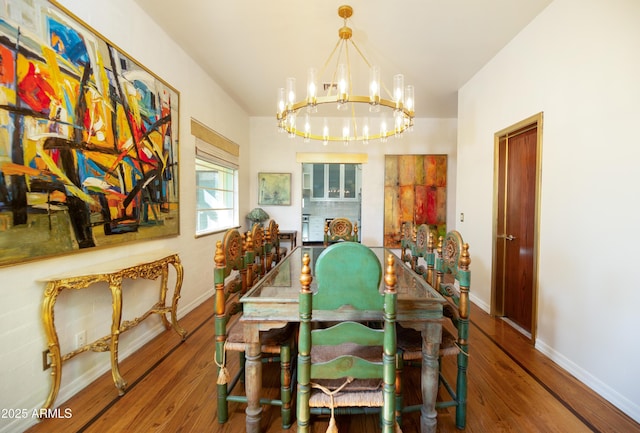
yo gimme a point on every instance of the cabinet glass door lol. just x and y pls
(349, 181)
(334, 181)
(318, 181)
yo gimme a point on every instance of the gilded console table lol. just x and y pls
(148, 266)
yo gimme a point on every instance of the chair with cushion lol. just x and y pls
(349, 367)
(452, 280)
(277, 344)
(340, 229)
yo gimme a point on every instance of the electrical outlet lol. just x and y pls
(46, 361)
(81, 339)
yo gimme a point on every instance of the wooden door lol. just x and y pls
(515, 235)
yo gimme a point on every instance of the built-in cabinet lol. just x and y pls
(331, 181)
(334, 182)
(329, 191)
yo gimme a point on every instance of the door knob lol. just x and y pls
(507, 237)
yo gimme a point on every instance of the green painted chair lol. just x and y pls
(273, 251)
(259, 267)
(417, 243)
(340, 229)
(277, 345)
(349, 367)
(452, 280)
(407, 243)
(423, 249)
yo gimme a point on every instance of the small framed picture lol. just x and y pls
(274, 189)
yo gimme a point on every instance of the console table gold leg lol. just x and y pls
(176, 296)
(164, 276)
(50, 295)
(116, 294)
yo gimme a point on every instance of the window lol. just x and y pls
(217, 197)
(217, 162)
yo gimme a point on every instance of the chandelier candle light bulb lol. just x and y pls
(291, 93)
(312, 90)
(325, 132)
(343, 90)
(409, 101)
(365, 130)
(307, 127)
(345, 131)
(374, 89)
(398, 91)
(383, 130)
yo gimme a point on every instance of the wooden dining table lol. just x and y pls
(273, 302)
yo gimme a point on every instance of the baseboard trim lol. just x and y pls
(615, 398)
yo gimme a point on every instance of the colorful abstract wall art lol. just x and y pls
(415, 189)
(88, 139)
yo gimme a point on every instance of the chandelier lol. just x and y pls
(360, 115)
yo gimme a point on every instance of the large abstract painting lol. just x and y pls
(415, 190)
(88, 139)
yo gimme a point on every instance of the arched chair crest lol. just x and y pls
(340, 229)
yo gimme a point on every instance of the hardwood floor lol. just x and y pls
(512, 388)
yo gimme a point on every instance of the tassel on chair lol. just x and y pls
(332, 428)
(223, 374)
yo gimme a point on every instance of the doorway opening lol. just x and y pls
(329, 190)
(517, 180)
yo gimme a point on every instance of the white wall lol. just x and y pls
(273, 151)
(24, 385)
(579, 63)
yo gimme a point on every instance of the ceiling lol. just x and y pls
(250, 47)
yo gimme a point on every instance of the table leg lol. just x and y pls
(431, 336)
(116, 294)
(253, 377)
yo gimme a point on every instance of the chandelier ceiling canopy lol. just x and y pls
(337, 108)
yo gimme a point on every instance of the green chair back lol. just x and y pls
(342, 360)
(348, 274)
